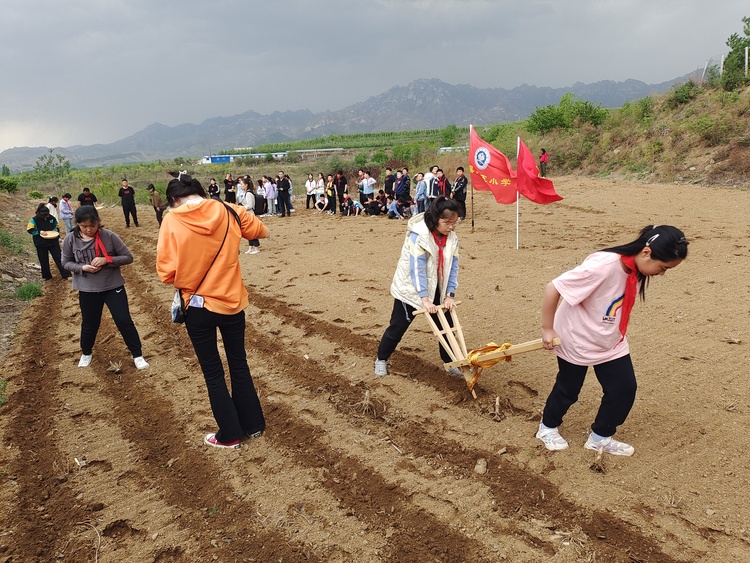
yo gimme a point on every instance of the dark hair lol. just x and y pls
(66, 194)
(461, 168)
(441, 208)
(86, 190)
(183, 185)
(53, 199)
(150, 187)
(41, 209)
(667, 243)
(86, 213)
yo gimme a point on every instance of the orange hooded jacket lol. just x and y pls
(189, 238)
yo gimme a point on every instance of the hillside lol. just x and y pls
(421, 104)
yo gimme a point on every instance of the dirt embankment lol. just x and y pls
(339, 478)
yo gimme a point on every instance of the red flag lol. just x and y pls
(530, 185)
(491, 170)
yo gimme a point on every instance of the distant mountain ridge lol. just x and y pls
(421, 104)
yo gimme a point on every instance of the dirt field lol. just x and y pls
(333, 479)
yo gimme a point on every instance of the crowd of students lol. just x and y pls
(399, 197)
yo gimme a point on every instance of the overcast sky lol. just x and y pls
(96, 71)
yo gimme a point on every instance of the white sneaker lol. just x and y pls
(551, 438)
(85, 360)
(140, 363)
(610, 446)
(252, 250)
(381, 367)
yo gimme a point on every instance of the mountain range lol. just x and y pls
(421, 104)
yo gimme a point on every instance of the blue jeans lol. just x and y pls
(238, 414)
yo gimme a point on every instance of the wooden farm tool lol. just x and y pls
(471, 363)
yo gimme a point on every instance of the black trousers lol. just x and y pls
(238, 413)
(401, 317)
(617, 379)
(92, 306)
(128, 211)
(43, 252)
(159, 214)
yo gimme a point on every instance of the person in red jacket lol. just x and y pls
(197, 252)
(543, 158)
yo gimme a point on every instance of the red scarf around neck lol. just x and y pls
(631, 288)
(441, 245)
(99, 248)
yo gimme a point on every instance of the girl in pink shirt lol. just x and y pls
(591, 321)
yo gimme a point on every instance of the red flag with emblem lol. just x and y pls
(530, 185)
(491, 170)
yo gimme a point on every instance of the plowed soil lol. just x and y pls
(101, 464)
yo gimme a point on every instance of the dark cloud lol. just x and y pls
(84, 72)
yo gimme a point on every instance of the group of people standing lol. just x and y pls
(212, 289)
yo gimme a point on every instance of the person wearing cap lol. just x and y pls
(43, 227)
(155, 199)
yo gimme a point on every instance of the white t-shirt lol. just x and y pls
(310, 187)
(588, 318)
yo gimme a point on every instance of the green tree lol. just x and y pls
(51, 165)
(449, 135)
(733, 75)
(5, 171)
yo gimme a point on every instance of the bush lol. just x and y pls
(570, 112)
(361, 159)
(12, 242)
(8, 185)
(35, 194)
(29, 291)
(3, 396)
(380, 158)
(682, 94)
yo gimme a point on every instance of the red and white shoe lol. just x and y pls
(211, 440)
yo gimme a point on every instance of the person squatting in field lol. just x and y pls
(591, 322)
(426, 275)
(197, 252)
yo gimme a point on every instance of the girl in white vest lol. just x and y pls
(426, 274)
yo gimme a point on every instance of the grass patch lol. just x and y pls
(3, 396)
(13, 243)
(29, 291)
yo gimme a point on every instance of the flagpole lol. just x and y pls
(471, 127)
(518, 197)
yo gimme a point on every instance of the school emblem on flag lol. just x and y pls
(482, 158)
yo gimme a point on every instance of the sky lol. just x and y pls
(82, 72)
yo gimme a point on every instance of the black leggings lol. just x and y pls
(92, 305)
(401, 317)
(617, 379)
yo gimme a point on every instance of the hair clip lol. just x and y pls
(652, 239)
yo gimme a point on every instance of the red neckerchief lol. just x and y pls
(99, 247)
(631, 288)
(441, 245)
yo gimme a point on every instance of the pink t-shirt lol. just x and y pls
(588, 318)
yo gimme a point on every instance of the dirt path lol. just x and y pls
(335, 479)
